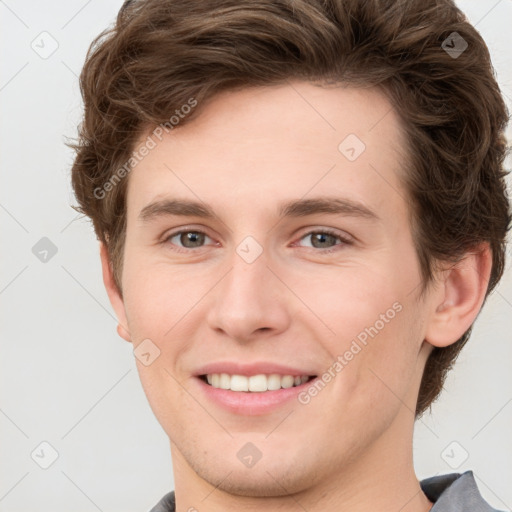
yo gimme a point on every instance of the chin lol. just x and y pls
(263, 484)
(272, 478)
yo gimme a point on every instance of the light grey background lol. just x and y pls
(67, 378)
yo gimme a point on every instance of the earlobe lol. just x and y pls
(458, 299)
(113, 293)
(123, 333)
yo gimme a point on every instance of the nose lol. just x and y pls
(249, 301)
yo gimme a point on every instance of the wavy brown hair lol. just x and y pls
(161, 53)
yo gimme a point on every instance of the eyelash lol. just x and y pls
(325, 231)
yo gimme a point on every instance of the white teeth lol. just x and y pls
(273, 382)
(224, 381)
(239, 383)
(255, 383)
(258, 383)
(287, 381)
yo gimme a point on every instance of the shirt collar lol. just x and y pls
(455, 492)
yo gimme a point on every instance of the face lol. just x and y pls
(305, 270)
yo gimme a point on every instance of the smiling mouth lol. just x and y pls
(256, 383)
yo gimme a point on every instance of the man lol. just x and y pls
(301, 210)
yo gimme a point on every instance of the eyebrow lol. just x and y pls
(295, 208)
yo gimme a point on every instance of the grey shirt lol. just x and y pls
(455, 492)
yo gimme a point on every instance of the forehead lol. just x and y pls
(252, 147)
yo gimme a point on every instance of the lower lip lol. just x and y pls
(251, 403)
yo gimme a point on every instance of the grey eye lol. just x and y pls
(189, 239)
(319, 239)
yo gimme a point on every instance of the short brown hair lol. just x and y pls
(161, 53)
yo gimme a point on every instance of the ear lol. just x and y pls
(113, 293)
(460, 296)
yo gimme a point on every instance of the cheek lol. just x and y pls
(378, 380)
(352, 302)
(158, 297)
(162, 305)
(372, 335)
(157, 308)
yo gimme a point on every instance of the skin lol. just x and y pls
(350, 447)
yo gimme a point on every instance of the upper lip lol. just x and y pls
(234, 368)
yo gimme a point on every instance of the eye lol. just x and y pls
(190, 239)
(325, 239)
